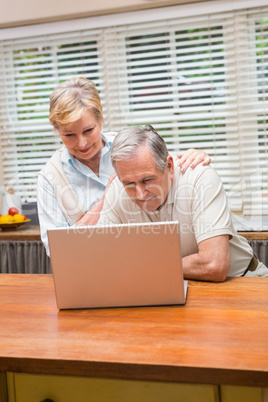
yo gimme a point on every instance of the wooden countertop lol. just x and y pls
(28, 232)
(254, 235)
(219, 337)
(25, 232)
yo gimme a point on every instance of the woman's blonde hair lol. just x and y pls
(71, 98)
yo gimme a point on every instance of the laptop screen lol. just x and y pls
(117, 265)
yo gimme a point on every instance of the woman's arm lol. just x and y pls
(49, 212)
(92, 216)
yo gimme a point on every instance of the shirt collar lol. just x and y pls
(108, 143)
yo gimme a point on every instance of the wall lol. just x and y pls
(24, 12)
(1, 179)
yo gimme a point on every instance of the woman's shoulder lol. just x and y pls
(54, 161)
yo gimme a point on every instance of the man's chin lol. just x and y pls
(148, 206)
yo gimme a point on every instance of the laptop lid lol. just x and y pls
(117, 265)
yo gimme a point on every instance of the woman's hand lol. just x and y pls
(193, 157)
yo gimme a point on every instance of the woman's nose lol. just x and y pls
(82, 142)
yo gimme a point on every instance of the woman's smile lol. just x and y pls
(84, 151)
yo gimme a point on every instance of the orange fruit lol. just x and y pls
(18, 218)
(6, 219)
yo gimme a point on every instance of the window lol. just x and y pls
(201, 80)
(30, 73)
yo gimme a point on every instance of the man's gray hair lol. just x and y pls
(128, 141)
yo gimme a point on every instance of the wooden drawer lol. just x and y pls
(230, 393)
(36, 388)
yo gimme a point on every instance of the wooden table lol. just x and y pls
(219, 337)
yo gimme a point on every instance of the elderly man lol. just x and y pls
(150, 187)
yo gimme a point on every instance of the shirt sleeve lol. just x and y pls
(210, 209)
(49, 212)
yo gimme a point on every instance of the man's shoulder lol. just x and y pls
(115, 184)
(192, 175)
(116, 189)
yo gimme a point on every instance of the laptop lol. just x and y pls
(117, 265)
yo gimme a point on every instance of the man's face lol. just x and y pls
(147, 186)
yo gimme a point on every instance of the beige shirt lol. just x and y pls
(198, 201)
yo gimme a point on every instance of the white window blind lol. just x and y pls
(200, 80)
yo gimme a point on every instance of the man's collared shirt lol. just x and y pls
(198, 201)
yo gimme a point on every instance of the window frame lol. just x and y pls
(110, 92)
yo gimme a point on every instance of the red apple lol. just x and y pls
(13, 211)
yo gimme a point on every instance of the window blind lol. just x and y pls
(200, 80)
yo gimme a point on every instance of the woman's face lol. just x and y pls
(83, 138)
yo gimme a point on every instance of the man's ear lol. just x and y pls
(170, 166)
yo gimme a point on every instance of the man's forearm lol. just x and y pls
(196, 269)
(211, 263)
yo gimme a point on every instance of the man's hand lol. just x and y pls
(211, 263)
(193, 157)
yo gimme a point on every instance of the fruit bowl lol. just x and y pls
(12, 225)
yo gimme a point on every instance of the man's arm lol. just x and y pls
(211, 263)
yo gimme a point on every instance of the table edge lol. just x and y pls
(133, 371)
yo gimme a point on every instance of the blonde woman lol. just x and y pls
(71, 187)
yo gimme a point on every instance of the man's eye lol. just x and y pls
(128, 185)
(68, 135)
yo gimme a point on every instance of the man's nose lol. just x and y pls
(141, 192)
